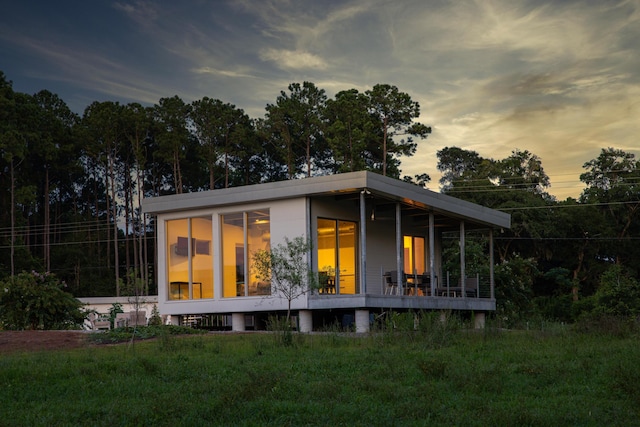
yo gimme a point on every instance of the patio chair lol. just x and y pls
(391, 281)
(121, 320)
(471, 287)
(98, 323)
(138, 318)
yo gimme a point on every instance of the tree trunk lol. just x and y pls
(13, 218)
(576, 272)
(176, 172)
(47, 220)
(129, 228)
(384, 146)
(308, 156)
(114, 207)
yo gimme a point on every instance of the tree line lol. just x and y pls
(561, 259)
(74, 184)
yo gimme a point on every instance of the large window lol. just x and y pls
(243, 234)
(189, 258)
(414, 255)
(337, 256)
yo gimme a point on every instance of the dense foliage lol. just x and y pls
(560, 259)
(38, 301)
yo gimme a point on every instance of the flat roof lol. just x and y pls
(345, 183)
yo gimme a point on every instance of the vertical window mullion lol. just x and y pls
(336, 245)
(190, 257)
(245, 225)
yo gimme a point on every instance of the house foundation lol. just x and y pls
(305, 321)
(362, 321)
(478, 320)
(238, 322)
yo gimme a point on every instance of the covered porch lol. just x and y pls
(404, 244)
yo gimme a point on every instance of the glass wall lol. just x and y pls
(243, 233)
(337, 256)
(414, 255)
(189, 258)
(202, 261)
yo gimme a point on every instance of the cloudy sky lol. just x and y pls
(558, 78)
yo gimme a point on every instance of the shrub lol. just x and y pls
(38, 301)
(282, 330)
(514, 294)
(115, 308)
(601, 324)
(155, 319)
(618, 294)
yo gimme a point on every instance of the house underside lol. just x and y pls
(379, 244)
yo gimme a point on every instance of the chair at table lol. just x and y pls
(424, 283)
(327, 283)
(471, 287)
(391, 281)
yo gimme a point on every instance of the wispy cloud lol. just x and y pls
(223, 73)
(297, 60)
(559, 79)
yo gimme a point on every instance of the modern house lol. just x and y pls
(379, 244)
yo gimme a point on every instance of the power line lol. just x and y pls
(577, 205)
(583, 238)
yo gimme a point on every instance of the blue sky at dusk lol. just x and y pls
(558, 78)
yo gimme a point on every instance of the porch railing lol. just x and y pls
(420, 285)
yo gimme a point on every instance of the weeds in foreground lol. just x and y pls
(430, 330)
(163, 332)
(456, 377)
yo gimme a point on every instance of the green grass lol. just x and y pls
(428, 377)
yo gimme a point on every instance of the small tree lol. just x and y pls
(134, 289)
(287, 267)
(155, 319)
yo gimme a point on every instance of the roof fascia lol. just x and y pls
(353, 182)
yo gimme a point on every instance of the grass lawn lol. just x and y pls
(462, 378)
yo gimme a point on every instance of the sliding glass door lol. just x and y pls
(337, 256)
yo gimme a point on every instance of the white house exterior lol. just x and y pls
(377, 246)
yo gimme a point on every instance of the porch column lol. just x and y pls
(237, 322)
(432, 254)
(305, 320)
(478, 320)
(362, 321)
(363, 243)
(462, 259)
(491, 261)
(399, 249)
(190, 247)
(443, 316)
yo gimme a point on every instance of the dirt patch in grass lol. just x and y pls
(13, 341)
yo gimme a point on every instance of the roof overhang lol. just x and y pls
(340, 184)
